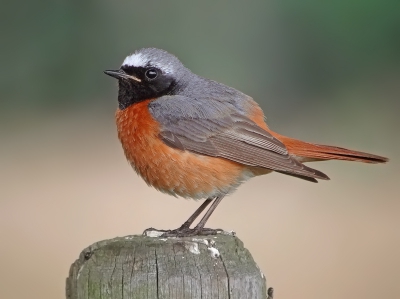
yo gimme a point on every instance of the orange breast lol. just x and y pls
(171, 170)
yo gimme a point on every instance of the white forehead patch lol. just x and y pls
(135, 60)
(140, 60)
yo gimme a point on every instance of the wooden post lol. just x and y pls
(161, 268)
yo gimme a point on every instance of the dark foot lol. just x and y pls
(189, 232)
(181, 232)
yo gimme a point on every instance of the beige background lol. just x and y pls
(65, 184)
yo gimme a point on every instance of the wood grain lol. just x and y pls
(156, 268)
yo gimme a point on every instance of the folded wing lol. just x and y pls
(216, 129)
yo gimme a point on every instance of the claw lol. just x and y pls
(181, 232)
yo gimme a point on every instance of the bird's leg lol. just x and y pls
(184, 230)
(185, 227)
(199, 228)
(196, 214)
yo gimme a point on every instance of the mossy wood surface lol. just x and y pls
(156, 268)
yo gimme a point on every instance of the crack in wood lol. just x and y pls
(227, 276)
(154, 268)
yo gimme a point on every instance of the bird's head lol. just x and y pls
(147, 73)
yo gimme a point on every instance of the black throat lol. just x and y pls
(131, 93)
(126, 94)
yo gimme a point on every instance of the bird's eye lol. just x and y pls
(151, 74)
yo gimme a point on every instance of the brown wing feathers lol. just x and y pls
(216, 129)
(238, 139)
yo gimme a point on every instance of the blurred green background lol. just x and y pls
(327, 72)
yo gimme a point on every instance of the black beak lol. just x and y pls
(118, 74)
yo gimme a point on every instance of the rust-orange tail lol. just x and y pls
(313, 152)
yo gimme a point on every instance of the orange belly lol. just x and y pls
(171, 170)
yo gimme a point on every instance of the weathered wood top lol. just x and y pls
(145, 267)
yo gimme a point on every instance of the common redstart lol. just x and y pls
(189, 136)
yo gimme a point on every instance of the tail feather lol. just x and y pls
(315, 152)
(327, 152)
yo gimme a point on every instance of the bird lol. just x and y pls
(192, 137)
